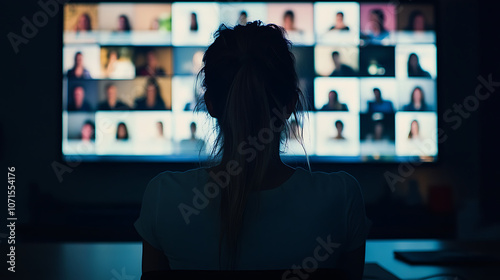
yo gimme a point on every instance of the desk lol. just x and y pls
(122, 260)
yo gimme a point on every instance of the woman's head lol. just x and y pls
(83, 23)
(417, 96)
(416, 21)
(88, 131)
(333, 96)
(122, 131)
(414, 129)
(377, 19)
(123, 23)
(152, 92)
(78, 59)
(251, 89)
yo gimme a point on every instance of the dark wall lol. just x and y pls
(30, 131)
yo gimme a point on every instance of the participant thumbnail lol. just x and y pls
(416, 61)
(378, 95)
(417, 95)
(116, 133)
(193, 134)
(416, 134)
(153, 61)
(295, 18)
(81, 95)
(80, 23)
(79, 133)
(154, 94)
(336, 23)
(376, 61)
(232, 14)
(377, 134)
(188, 60)
(378, 23)
(337, 134)
(416, 24)
(153, 17)
(116, 63)
(336, 61)
(154, 133)
(301, 135)
(186, 91)
(336, 94)
(81, 61)
(194, 24)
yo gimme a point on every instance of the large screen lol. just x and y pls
(368, 70)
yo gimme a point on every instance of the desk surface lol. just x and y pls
(122, 260)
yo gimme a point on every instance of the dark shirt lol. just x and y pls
(85, 74)
(140, 104)
(85, 107)
(143, 71)
(384, 106)
(411, 107)
(343, 107)
(419, 73)
(343, 71)
(344, 28)
(104, 106)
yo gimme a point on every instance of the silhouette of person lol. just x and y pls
(112, 102)
(339, 23)
(194, 22)
(333, 103)
(152, 99)
(414, 68)
(79, 103)
(122, 132)
(78, 71)
(340, 69)
(417, 102)
(379, 105)
(339, 126)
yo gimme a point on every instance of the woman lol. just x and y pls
(377, 32)
(414, 130)
(334, 103)
(417, 102)
(414, 68)
(122, 132)
(83, 23)
(124, 24)
(78, 71)
(250, 210)
(152, 99)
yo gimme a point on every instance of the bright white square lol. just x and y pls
(230, 13)
(107, 142)
(347, 91)
(419, 141)
(427, 86)
(387, 88)
(331, 141)
(154, 133)
(184, 93)
(426, 54)
(91, 58)
(187, 15)
(324, 19)
(196, 141)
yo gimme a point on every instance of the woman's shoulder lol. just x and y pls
(169, 177)
(336, 178)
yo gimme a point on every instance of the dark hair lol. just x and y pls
(289, 13)
(250, 85)
(118, 129)
(76, 54)
(336, 95)
(410, 135)
(127, 23)
(379, 91)
(108, 86)
(423, 96)
(339, 122)
(411, 20)
(340, 13)
(87, 18)
(194, 25)
(415, 72)
(243, 13)
(158, 99)
(380, 18)
(335, 53)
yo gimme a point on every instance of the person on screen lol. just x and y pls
(87, 133)
(193, 143)
(83, 23)
(78, 71)
(414, 130)
(414, 68)
(379, 105)
(194, 22)
(254, 192)
(152, 67)
(118, 68)
(378, 133)
(417, 22)
(123, 24)
(339, 126)
(152, 99)
(377, 32)
(333, 103)
(243, 18)
(79, 103)
(112, 102)
(289, 22)
(339, 23)
(159, 129)
(341, 69)
(417, 102)
(122, 132)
